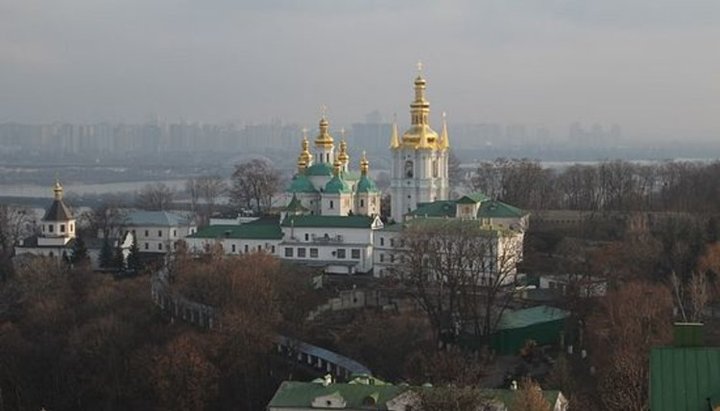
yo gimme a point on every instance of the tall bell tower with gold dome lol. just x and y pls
(419, 158)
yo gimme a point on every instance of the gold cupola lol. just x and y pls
(337, 166)
(324, 139)
(420, 135)
(343, 157)
(305, 152)
(364, 164)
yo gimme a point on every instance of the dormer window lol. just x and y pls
(50, 228)
(62, 228)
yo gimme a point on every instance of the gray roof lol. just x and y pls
(141, 218)
(58, 211)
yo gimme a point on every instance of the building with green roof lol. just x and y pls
(367, 393)
(324, 183)
(686, 375)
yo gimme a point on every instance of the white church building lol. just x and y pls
(331, 218)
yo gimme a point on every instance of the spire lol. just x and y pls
(444, 142)
(324, 139)
(420, 107)
(58, 190)
(364, 164)
(394, 140)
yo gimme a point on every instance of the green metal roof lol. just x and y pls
(320, 169)
(261, 229)
(443, 208)
(683, 378)
(531, 316)
(293, 394)
(473, 198)
(350, 221)
(301, 184)
(295, 205)
(366, 185)
(337, 185)
(498, 209)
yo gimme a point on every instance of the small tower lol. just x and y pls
(367, 200)
(58, 224)
(419, 171)
(337, 197)
(343, 156)
(301, 189)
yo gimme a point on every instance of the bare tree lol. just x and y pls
(211, 188)
(154, 197)
(530, 397)
(458, 272)
(692, 296)
(106, 220)
(629, 321)
(254, 183)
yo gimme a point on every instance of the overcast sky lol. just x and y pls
(652, 66)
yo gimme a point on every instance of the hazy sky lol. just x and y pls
(651, 65)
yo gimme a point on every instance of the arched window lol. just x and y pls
(409, 172)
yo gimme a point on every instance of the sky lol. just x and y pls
(652, 66)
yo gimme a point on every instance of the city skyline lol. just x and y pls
(644, 65)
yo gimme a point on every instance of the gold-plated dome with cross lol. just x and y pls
(420, 134)
(324, 139)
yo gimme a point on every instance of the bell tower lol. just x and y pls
(419, 158)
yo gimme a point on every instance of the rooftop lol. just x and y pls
(266, 228)
(58, 211)
(351, 221)
(156, 218)
(531, 316)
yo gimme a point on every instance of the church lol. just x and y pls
(331, 218)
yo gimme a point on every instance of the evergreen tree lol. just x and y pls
(133, 260)
(106, 254)
(119, 259)
(79, 252)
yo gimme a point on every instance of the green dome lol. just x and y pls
(320, 169)
(301, 184)
(337, 186)
(366, 185)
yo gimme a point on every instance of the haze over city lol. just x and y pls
(648, 65)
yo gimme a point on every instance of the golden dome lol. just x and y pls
(324, 139)
(343, 157)
(444, 141)
(305, 153)
(364, 164)
(420, 135)
(337, 166)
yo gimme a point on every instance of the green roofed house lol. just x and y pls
(686, 375)
(365, 393)
(542, 324)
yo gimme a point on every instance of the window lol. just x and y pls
(341, 253)
(259, 247)
(288, 252)
(313, 253)
(301, 252)
(72, 227)
(147, 233)
(174, 233)
(392, 258)
(233, 248)
(409, 169)
(147, 246)
(273, 249)
(362, 203)
(159, 233)
(307, 237)
(159, 246)
(382, 257)
(43, 228)
(50, 228)
(332, 204)
(355, 254)
(62, 228)
(246, 248)
(392, 242)
(382, 241)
